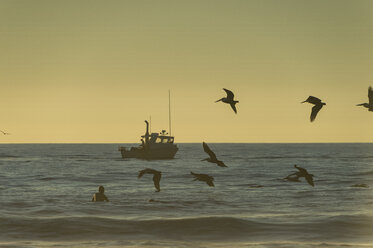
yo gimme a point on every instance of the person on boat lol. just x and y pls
(100, 196)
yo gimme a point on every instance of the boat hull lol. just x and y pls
(153, 152)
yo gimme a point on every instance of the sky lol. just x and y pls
(92, 71)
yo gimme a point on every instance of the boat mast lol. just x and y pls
(169, 110)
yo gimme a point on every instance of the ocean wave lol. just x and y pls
(8, 156)
(367, 173)
(317, 156)
(204, 228)
(288, 157)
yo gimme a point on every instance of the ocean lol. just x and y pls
(46, 192)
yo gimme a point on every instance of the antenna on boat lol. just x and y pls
(169, 111)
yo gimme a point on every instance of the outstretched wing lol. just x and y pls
(313, 100)
(147, 171)
(221, 163)
(207, 149)
(302, 171)
(233, 105)
(294, 177)
(141, 173)
(156, 180)
(309, 179)
(370, 95)
(230, 94)
(210, 183)
(315, 110)
(204, 177)
(196, 176)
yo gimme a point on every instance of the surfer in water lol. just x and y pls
(100, 196)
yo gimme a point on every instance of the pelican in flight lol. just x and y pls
(212, 158)
(204, 178)
(5, 133)
(301, 173)
(315, 109)
(369, 105)
(229, 99)
(156, 177)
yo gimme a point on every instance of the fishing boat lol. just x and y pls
(153, 146)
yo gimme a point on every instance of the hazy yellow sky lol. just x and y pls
(93, 71)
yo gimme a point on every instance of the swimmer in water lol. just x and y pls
(100, 196)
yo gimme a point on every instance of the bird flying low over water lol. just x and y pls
(369, 105)
(156, 177)
(229, 99)
(5, 133)
(212, 158)
(301, 173)
(315, 109)
(204, 178)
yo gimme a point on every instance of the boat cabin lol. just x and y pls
(156, 138)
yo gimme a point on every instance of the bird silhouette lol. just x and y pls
(369, 105)
(156, 177)
(204, 178)
(301, 173)
(212, 158)
(315, 109)
(5, 133)
(229, 99)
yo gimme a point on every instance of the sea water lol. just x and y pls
(46, 192)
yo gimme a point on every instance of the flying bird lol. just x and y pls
(229, 99)
(315, 109)
(156, 177)
(301, 173)
(204, 178)
(5, 133)
(212, 158)
(369, 105)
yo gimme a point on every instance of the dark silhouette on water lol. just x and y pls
(212, 158)
(5, 133)
(315, 109)
(204, 178)
(369, 105)
(229, 100)
(294, 177)
(100, 196)
(156, 177)
(363, 185)
(153, 146)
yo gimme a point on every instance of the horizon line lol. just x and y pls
(82, 143)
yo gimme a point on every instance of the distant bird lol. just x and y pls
(229, 99)
(204, 178)
(294, 177)
(5, 133)
(156, 177)
(315, 109)
(304, 173)
(212, 158)
(369, 105)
